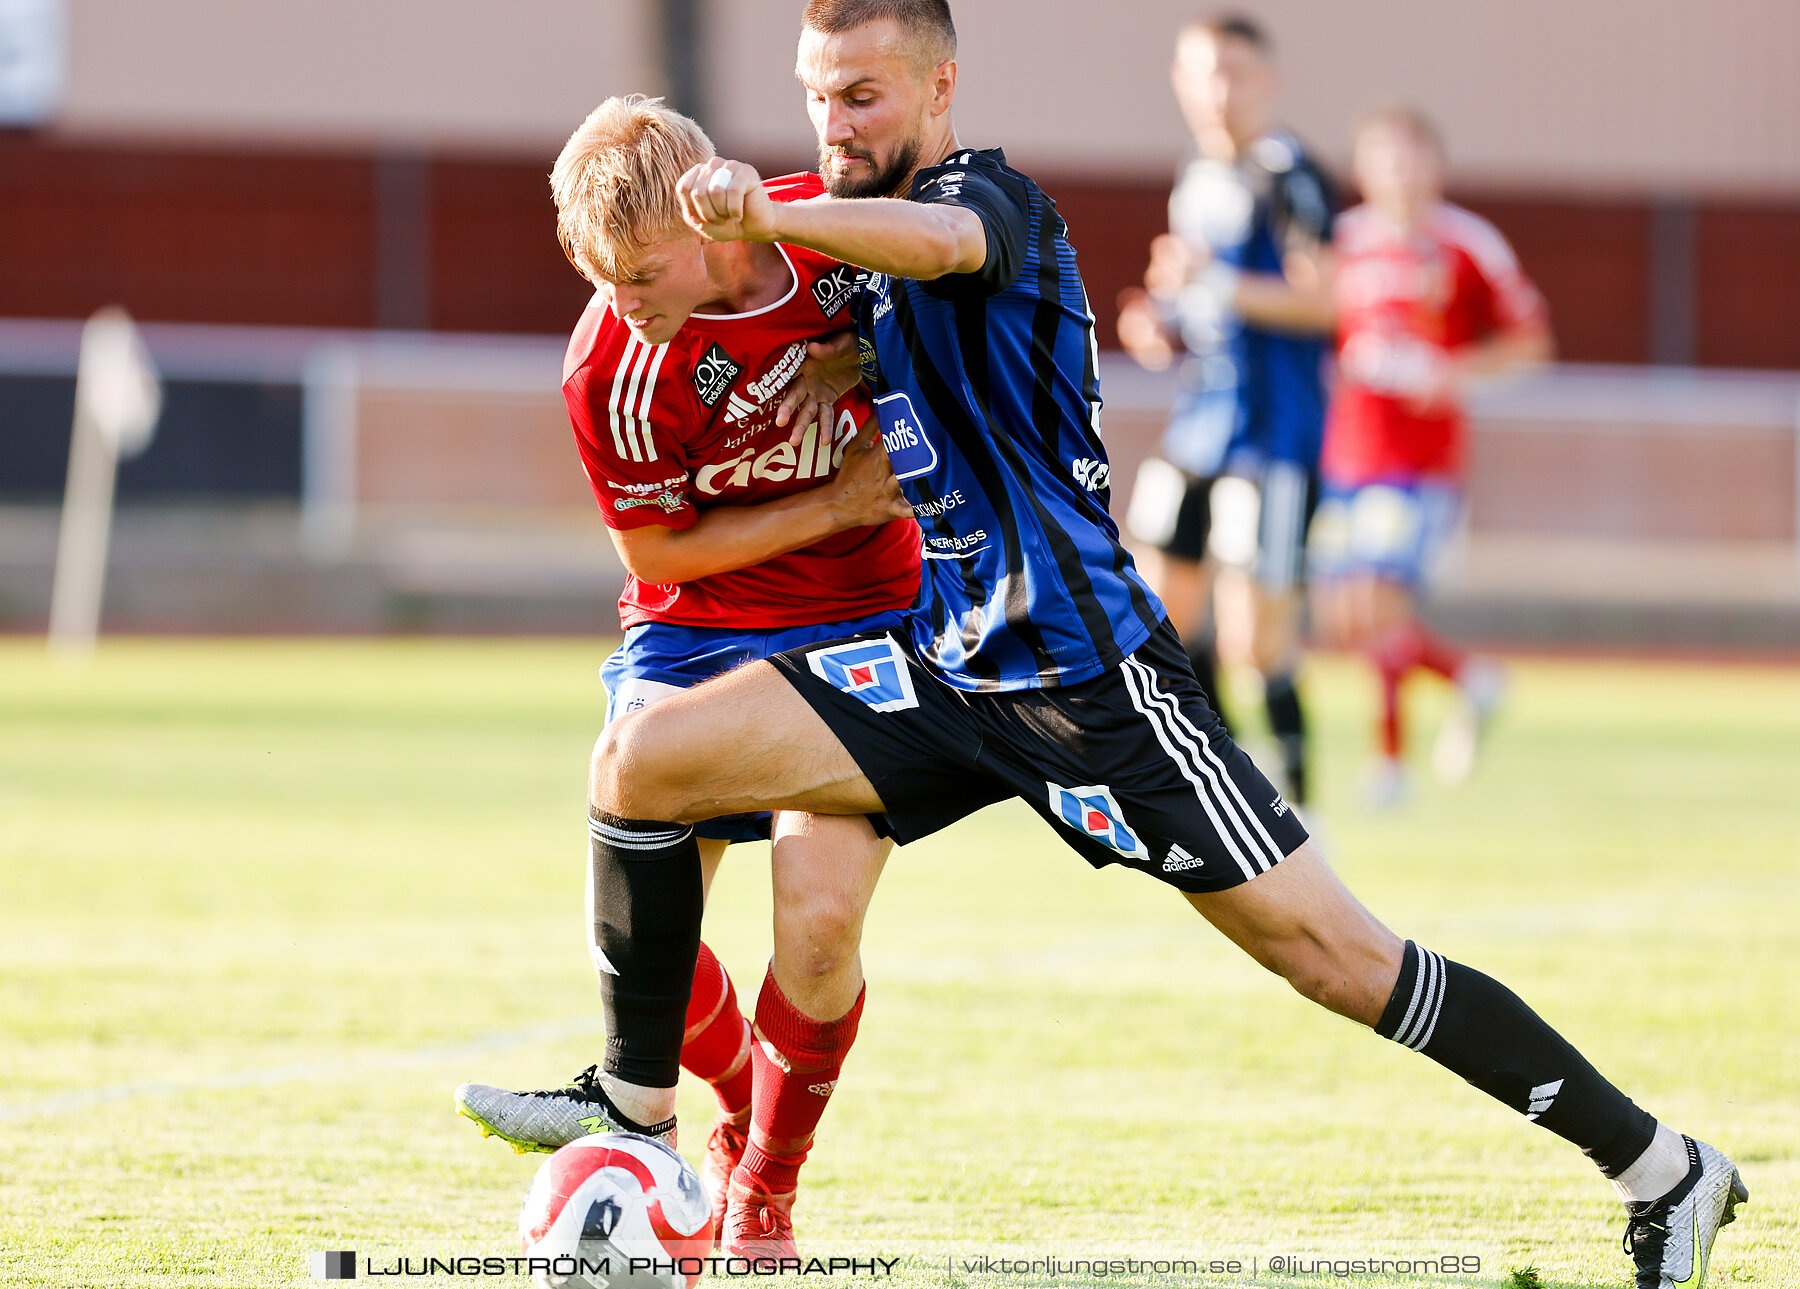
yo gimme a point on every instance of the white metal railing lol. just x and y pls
(331, 366)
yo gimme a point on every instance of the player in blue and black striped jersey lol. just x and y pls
(1036, 664)
(987, 391)
(1237, 284)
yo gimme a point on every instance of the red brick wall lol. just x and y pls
(185, 237)
(496, 264)
(1749, 286)
(1591, 260)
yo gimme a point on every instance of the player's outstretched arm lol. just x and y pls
(724, 201)
(862, 493)
(1511, 350)
(1297, 299)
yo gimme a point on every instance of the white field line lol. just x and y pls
(307, 1072)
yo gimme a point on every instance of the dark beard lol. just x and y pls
(883, 182)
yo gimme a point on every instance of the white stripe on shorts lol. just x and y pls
(1209, 757)
(1206, 788)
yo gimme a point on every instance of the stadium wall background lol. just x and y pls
(368, 238)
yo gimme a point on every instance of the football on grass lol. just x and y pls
(616, 1211)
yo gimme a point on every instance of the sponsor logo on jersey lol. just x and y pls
(956, 547)
(871, 671)
(903, 434)
(714, 373)
(1091, 473)
(866, 358)
(948, 184)
(814, 457)
(878, 284)
(669, 501)
(1093, 812)
(938, 505)
(778, 377)
(740, 406)
(1279, 806)
(833, 291)
(646, 489)
(1179, 861)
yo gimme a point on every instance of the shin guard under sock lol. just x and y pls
(645, 899)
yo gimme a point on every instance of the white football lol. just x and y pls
(616, 1211)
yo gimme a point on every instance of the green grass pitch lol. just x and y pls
(262, 905)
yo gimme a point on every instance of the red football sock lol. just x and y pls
(717, 1044)
(1389, 725)
(797, 1060)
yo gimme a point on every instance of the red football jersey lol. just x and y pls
(1406, 304)
(666, 431)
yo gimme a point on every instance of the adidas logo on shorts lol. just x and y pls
(1179, 861)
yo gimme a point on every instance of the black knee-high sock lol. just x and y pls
(1476, 1027)
(1288, 724)
(1203, 656)
(645, 898)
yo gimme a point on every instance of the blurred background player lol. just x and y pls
(1238, 283)
(739, 543)
(1429, 296)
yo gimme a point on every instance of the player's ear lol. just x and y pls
(943, 86)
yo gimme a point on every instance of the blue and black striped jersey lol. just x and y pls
(987, 391)
(1249, 395)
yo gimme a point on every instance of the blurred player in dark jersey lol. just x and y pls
(1236, 287)
(742, 537)
(1429, 297)
(1035, 664)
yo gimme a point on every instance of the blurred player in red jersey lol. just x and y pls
(742, 538)
(1429, 297)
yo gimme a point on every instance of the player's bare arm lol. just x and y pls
(862, 493)
(1297, 299)
(724, 201)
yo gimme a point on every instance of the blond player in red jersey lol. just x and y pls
(743, 536)
(1429, 298)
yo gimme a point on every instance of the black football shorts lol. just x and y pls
(1131, 767)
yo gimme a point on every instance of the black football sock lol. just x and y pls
(1474, 1026)
(1203, 656)
(1288, 724)
(645, 899)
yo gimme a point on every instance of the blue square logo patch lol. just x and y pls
(870, 671)
(1093, 812)
(903, 434)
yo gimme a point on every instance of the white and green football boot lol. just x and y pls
(544, 1121)
(1671, 1238)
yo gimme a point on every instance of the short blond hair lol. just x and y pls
(614, 183)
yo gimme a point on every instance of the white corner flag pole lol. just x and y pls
(118, 398)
